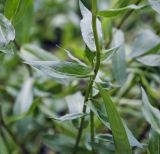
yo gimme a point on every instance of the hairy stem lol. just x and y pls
(96, 68)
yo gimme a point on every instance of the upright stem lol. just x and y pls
(96, 68)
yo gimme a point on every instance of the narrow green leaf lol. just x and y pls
(154, 142)
(61, 69)
(24, 98)
(100, 112)
(151, 114)
(105, 137)
(118, 59)
(150, 60)
(7, 32)
(115, 12)
(23, 27)
(22, 10)
(68, 117)
(144, 42)
(86, 28)
(118, 130)
(155, 4)
(11, 7)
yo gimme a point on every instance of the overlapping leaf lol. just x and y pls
(61, 69)
(150, 60)
(151, 114)
(118, 11)
(118, 130)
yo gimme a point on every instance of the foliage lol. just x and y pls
(79, 77)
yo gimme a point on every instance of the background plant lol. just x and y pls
(79, 77)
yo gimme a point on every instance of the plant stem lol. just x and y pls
(96, 68)
(92, 129)
(125, 17)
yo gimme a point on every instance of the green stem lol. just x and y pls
(96, 68)
(125, 17)
(92, 130)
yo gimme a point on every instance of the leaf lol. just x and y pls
(71, 116)
(24, 26)
(7, 32)
(105, 137)
(75, 102)
(118, 59)
(109, 53)
(24, 98)
(72, 57)
(118, 130)
(61, 69)
(154, 142)
(115, 12)
(11, 7)
(150, 60)
(151, 114)
(86, 28)
(33, 52)
(155, 4)
(15, 118)
(100, 112)
(144, 42)
(7, 49)
(22, 10)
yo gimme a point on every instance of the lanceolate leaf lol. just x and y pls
(101, 113)
(86, 28)
(154, 142)
(11, 7)
(7, 32)
(155, 4)
(144, 42)
(151, 114)
(61, 69)
(118, 59)
(118, 130)
(71, 116)
(115, 12)
(150, 60)
(24, 98)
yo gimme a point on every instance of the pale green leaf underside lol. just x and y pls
(61, 69)
(7, 32)
(150, 60)
(151, 114)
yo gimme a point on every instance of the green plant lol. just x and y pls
(88, 99)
